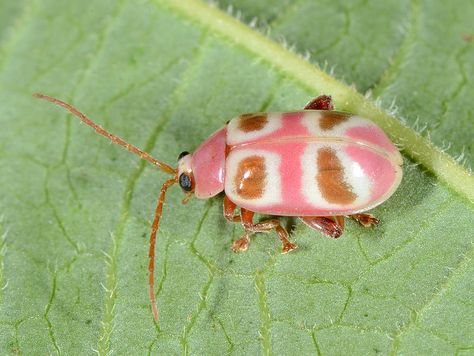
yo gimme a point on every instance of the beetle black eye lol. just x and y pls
(182, 154)
(185, 182)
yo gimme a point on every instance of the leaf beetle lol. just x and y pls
(317, 164)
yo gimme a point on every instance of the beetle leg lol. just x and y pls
(241, 244)
(264, 226)
(332, 226)
(322, 102)
(229, 208)
(366, 220)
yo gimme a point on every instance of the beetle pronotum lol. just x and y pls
(317, 164)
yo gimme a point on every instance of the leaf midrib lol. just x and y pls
(314, 80)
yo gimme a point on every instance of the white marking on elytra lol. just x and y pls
(311, 121)
(272, 191)
(235, 135)
(354, 176)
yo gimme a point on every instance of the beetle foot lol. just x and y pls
(365, 220)
(333, 230)
(287, 247)
(241, 245)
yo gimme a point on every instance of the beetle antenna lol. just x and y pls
(151, 252)
(101, 131)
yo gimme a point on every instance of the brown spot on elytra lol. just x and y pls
(330, 119)
(250, 179)
(252, 122)
(330, 178)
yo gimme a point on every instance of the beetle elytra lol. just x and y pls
(316, 164)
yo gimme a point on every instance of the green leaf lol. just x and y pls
(164, 75)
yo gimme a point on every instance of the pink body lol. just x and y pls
(208, 165)
(305, 163)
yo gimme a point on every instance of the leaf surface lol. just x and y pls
(77, 211)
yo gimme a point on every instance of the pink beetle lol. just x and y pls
(317, 164)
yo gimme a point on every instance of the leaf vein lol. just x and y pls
(457, 271)
(422, 225)
(402, 55)
(3, 250)
(462, 83)
(105, 107)
(265, 317)
(211, 269)
(46, 314)
(315, 343)
(111, 282)
(15, 31)
(226, 335)
(55, 211)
